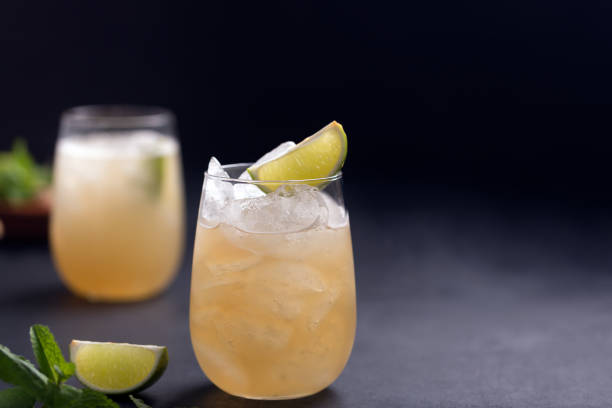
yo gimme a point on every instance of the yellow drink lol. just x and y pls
(117, 222)
(272, 314)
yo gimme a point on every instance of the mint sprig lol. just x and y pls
(91, 399)
(139, 403)
(18, 371)
(46, 384)
(20, 177)
(16, 398)
(49, 356)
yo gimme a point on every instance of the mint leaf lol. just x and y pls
(48, 355)
(20, 177)
(63, 395)
(21, 154)
(91, 399)
(16, 398)
(67, 372)
(139, 403)
(18, 371)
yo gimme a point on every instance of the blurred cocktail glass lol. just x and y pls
(273, 290)
(117, 224)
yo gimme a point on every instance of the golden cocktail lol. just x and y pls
(117, 222)
(273, 292)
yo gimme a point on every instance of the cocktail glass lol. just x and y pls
(273, 311)
(117, 223)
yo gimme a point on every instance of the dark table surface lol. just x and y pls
(463, 301)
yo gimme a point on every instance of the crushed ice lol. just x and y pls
(290, 208)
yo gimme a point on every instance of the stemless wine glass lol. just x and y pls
(117, 223)
(272, 312)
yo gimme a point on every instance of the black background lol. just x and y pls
(505, 96)
(477, 178)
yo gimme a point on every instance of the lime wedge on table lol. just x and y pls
(317, 156)
(117, 368)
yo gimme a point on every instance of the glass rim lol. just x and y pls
(336, 176)
(117, 115)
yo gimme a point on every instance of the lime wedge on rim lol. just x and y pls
(117, 368)
(320, 155)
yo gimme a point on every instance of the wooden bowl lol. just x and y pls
(27, 221)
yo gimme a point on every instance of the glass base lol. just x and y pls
(115, 298)
(273, 397)
(284, 397)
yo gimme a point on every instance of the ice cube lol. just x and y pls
(217, 194)
(231, 263)
(261, 244)
(280, 304)
(225, 269)
(290, 208)
(326, 245)
(321, 307)
(282, 287)
(275, 153)
(215, 168)
(289, 277)
(246, 190)
(337, 216)
(244, 329)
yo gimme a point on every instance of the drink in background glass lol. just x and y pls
(117, 222)
(273, 291)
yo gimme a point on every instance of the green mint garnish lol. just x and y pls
(138, 402)
(16, 398)
(49, 356)
(18, 371)
(45, 385)
(20, 177)
(92, 399)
